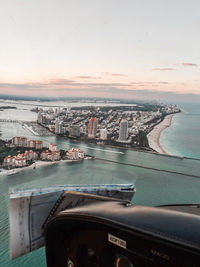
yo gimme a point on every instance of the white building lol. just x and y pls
(29, 155)
(52, 156)
(37, 144)
(123, 131)
(53, 147)
(39, 118)
(9, 161)
(103, 134)
(57, 127)
(75, 153)
(15, 161)
(31, 143)
(61, 128)
(19, 141)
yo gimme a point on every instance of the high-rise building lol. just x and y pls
(123, 131)
(92, 128)
(103, 134)
(74, 131)
(61, 128)
(39, 118)
(57, 126)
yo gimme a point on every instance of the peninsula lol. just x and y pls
(126, 126)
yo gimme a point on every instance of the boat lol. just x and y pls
(11, 172)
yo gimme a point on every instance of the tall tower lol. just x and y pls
(57, 126)
(92, 128)
(123, 131)
(103, 134)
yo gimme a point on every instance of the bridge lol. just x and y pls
(13, 121)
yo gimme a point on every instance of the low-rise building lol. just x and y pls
(9, 161)
(20, 162)
(49, 155)
(81, 154)
(31, 155)
(53, 156)
(53, 147)
(19, 141)
(44, 155)
(15, 161)
(75, 153)
(38, 144)
(31, 143)
(51, 128)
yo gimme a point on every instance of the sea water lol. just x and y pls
(156, 184)
(183, 136)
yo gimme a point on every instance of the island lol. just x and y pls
(20, 153)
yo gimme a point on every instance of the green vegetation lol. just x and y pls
(6, 151)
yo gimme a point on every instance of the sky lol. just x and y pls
(100, 48)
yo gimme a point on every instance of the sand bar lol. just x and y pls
(154, 135)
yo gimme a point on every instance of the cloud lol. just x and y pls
(63, 87)
(186, 64)
(148, 83)
(163, 82)
(113, 74)
(84, 77)
(164, 69)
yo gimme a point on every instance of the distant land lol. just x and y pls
(134, 97)
(74, 99)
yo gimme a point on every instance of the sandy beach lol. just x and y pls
(36, 165)
(154, 135)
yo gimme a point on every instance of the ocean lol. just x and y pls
(158, 179)
(183, 136)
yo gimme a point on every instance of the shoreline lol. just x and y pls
(36, 165)
(155, 134)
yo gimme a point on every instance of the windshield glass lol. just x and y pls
(99, 92)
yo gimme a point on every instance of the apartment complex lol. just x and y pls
(21, 141)
(20, 160)
(92, 127)
(50, 155)
(123, 130)
(75, 153)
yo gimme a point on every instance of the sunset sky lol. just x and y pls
(100, 48)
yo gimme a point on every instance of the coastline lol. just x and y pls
(154, 135)
(36, 165)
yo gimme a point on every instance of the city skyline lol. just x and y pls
(141, 49)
